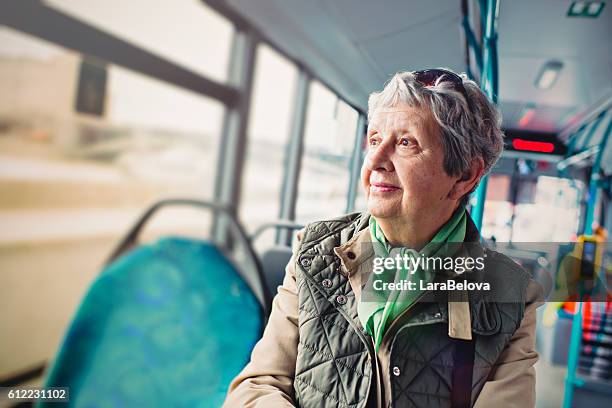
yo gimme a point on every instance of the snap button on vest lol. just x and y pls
(396, 371)
(327, 283)
(341, 299)
(305, 262)
(351, 255)
(438, 315)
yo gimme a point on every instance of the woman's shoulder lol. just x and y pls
(510, 277)
(507, 264)
(326, 226)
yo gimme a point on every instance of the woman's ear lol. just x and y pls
(468, 181)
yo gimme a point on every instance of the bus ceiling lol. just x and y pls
(554, 63)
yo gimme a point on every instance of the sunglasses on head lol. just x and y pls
(429, 77)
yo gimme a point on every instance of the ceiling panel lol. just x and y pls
(542, 28)
(545, 118)
(517, 76)
(355, 45)
(534, 32)
(423, 46)
(510, 111)
(306, 33)
(371, 19)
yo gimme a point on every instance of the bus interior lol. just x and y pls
(145, 142)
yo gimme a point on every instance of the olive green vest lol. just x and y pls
(335, 356)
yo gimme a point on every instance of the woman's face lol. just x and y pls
(403, 173)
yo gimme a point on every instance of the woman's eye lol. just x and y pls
(404, 142)
(373, 141)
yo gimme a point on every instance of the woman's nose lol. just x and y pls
(380, 159)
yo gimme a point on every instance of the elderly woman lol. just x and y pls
(335, 339)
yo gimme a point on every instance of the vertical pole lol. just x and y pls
(293, 160)
(571, 380)
(489, 83)
(573, 356)
(514, 190)
(592, 131)
(594, 181)
(234, 135)
(356, 160)
(477, 211)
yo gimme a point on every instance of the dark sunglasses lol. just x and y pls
(429, 77)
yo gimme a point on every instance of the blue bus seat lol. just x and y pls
(168, 324)
(273, 262)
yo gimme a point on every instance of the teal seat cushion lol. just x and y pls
(167, 325)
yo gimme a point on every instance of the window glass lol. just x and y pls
(361, 203)
(547, 209)
(186, 31)
(270, 120)
(553, 214)
(330, 131)
(84, 148)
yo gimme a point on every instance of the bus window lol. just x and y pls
(145, 23)
(331, 126)
(72, 183)
(268, 136)
(547, 209)
(553, 215)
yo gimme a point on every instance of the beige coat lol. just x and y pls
(267, 380)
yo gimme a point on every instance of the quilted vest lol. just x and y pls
(335, 363)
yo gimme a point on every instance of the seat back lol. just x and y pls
(273, 262)
(167, 324)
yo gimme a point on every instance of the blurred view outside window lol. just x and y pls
(147, 24)
(329, 138)
(72, 183)
(361, 203)
(268, 136)
(547, 209)
(553, 214)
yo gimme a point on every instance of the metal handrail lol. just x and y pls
(280, 224)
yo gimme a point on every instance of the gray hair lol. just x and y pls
(468, 130)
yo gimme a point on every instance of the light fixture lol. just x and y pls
(548, 74)
(526, 114)
(577, 8)
(532, 146)
(589, 9)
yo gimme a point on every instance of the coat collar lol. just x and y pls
(354, 251)
(356, 256)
